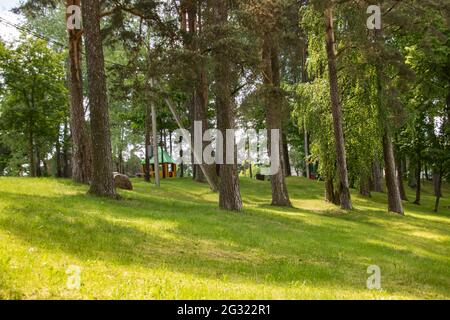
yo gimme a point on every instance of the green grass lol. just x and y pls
(174, 243)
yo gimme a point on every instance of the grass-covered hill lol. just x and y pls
(174, 243)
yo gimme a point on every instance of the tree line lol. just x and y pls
(357, 108)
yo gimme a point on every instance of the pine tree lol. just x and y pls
(102, 169)
(229, 190)
(82, 153)
(343, 187)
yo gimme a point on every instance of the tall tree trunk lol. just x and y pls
(418, 155)
(31, 153)
(229, 194)
(329, 190)
(201, 115)
(181, 157)
(447, 108)
(102, 177)
(418, 180)
(364, 186)
(200, 88)
(198, 94)
(165, 139)
(38, 163)
(67, 168)
(304, 76)
(437, 182)
(343, 187)
(377, 177)
(45, 167)
(306, 147)
(412, 181)
(200, 101)
(170, 144)
(394, 200)
(271, 74)
(59, 172)
(400, 177)
(287, 162)
(352, 181)
(81, 153)
(148, 128)
(120, 168)
(188, 12)
(155, 142)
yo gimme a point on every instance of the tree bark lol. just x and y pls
(181, 157)
(201, 115)
(344, 190)
(199, 96)
(165, 140)
(287, 162)
(229, 194)
(200, 103)
(437, 182)
(394, 200)
(31, 156)
(102, 177)
(67, 168)
(155, 144)
(271, 74)
(447, 108)
(306, 148)
(200, 88)
(38, 163)
(59, 172)
(364, 187)
(148, 127)
(412, 181)
(377, 177)
(418, 180)
(170, 144)
(329, 190)
(120, 166)
(400, 178)
(45, 166)
(81, 148)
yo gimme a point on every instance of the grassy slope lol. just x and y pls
(175, 244)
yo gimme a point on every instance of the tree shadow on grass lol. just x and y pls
(197, 238)
(188, 201)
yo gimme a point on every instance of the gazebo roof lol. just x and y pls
(163, 157)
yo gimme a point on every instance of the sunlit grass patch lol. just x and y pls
(174, 243)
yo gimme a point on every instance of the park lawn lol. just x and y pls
(174, 243)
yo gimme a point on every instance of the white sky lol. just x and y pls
(6, 32)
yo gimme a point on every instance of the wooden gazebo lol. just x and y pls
(167, 166)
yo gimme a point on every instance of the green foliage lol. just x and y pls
(34, 97)
(395, 79)
(312, 108)
(376, 74)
